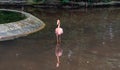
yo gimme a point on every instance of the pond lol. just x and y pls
(9, 16)
(90, 42)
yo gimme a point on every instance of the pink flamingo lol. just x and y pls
(58, 53)
(58, 50)
(58, 31)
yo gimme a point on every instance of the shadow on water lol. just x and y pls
(90, 42)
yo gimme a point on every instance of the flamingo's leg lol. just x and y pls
(60, 38)
(57, 38)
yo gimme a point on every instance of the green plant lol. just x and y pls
(106, 0)
(65, 1)
(7, 17)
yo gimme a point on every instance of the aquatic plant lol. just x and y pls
(7, 16)
(65, 1)
(91, 1)
(35, 0)
(38, 1)
(106, 0)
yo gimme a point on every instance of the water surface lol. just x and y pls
(91, 41)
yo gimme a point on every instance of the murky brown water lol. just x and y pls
(91, 41)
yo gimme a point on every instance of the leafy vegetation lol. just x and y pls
(8, 16)
(106, 0)
(65, 1)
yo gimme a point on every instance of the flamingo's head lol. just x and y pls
(58, 22)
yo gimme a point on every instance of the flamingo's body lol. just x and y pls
(59, 31)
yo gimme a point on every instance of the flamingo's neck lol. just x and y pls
(59, 25)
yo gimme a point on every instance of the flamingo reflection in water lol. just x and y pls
(58, 49)
(58, 53)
